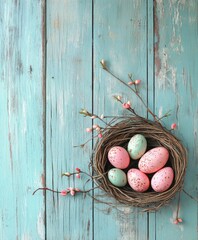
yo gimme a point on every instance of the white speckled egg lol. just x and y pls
(162, 180)
(153, 160)
(138, 180)
(137, 146)
(117, 177)
(119, 157)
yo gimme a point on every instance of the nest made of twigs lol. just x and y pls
(156, 135)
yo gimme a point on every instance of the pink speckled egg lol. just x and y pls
(153, 160)
(162, 180)
(138, 180)
(119, 157)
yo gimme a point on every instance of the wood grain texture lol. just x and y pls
(69, 88)
(21, 119)
(120, 37)
(176, 89)
(50, 52)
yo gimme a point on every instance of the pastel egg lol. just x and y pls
(117, 177)
(162, 180)
(153, 160)
(138, 180)
(137, 146)
(119, 157)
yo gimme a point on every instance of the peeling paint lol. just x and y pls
(157, 35)
(125, 222)
(167, 74)
(160, 114)
(41, 226)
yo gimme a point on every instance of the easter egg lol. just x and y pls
(153, 160)
(119, 157)
(137, 146)
(138, 180)
(117, 177)
(162, 180)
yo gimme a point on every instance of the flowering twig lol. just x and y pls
(92, 116)
(135, 91)
(70, 190)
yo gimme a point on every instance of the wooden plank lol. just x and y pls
(176, 89)
(21, 118)
(69, 88)
(120, 37)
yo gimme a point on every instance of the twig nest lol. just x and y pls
(156, 136)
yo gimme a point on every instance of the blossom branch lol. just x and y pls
(128, 86)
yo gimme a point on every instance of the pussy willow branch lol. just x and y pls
(136, 93)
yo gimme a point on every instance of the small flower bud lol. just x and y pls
(176, 221)
(72, 192)
(78, 169)
(173, 126)
(180, 220)
(95, 126)
(119, 97)
(98, 129)
(138, 81)
(103, 62)
(78, 175)
(63, 193)
(93, 117)
(100, 135)
(88, 130)
(130, 83)
(126, 105)
(67, 174)
(129, 103)
(102, 116)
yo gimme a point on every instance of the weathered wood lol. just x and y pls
(154, 40)
(120, 37)
(176, 89)
(69, 88)
(21, 119)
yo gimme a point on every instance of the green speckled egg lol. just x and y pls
(117, 177)
(137, 146)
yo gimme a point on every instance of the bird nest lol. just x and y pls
(156, 135)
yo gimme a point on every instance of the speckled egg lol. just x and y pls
(137, 146)
(162, 180)
(138, 180)
(153, 160)
(117, 177)
(119, 157)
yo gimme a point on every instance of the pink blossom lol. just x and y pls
(72, 192)
(98, 129)
(95, 126)
(176, 221)
(138, 81)
(180, 220)
(78, 175)
(78, 169)
(100, 135)
(88, 129)
(93, 117)
(126, 105)
(173, 126)
(63, 193)
(130, 83)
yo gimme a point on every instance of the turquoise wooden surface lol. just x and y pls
(50, 53)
